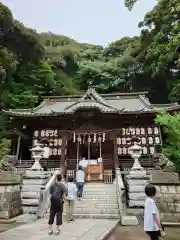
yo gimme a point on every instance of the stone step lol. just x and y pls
(137, 196)
(132, 182)
(31, 188)
(34, 181)
(100, 192)
(36, 174)
(30, 195)
(30, 202)
(103, 196)
(99, 185)
(96, 190)
(137, 188)
(136, 203)
(97, 216)
(30, 209)
(95, 211)
(97, 205)
(91, 216)
(96, 201)
(99, 197)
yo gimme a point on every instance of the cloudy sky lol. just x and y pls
(91, 21)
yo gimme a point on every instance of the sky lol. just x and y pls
(88, 21)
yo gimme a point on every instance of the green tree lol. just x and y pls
(171, 129)
(4, 148)
(100, 74)
(24, 94)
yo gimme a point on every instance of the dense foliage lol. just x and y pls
(171, 127)
(33, 65)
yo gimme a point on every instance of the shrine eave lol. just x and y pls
(56, 114)
(118, 103)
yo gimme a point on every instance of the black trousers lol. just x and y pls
(80, 187)
(154, 235)
(56, 209)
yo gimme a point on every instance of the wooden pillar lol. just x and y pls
(116, 163)
(63, 148)
(77, 155)
(18, 147)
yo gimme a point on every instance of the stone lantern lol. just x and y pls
(37, 154)
(136, 151)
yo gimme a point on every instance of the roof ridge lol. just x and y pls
(102, 95)
(145, 101)
(92, 92)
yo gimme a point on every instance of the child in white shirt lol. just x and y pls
(152, 223)
(71, 197)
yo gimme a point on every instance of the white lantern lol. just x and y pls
(136, 152)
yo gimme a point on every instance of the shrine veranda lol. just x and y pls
(91, 126)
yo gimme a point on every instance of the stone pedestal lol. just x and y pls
(32, 182)
(136, 182)
(10, 195)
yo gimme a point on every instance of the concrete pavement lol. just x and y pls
(81, 229)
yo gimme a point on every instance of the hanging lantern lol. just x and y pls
(84, 137)
(59, 151)
(104, 135)
(36, 133)
(94, 138)
(99, 139)
(89, 139)
(47, 133)
(74, 137)
(156, 130)
(119, 141)
(55, 133)
(79, 139)
(42, 133)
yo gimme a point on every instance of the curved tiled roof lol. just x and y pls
(120, 103)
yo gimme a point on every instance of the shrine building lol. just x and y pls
(90, 126)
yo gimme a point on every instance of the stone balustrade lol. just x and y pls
(10, 195)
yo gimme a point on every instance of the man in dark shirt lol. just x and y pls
(58, 196)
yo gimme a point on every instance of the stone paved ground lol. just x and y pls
(81, 229)
(136, 233)
(5, 227)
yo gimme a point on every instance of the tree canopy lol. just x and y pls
(171, 127)
(33, 65)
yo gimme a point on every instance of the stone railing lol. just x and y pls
(44, 200)
(120, 189)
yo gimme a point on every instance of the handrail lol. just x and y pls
(120, 189)
(44, 199)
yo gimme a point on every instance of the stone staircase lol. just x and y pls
(99, 201)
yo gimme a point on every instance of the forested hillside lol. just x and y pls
(33, 65)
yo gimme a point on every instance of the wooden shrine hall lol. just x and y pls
(93, 126)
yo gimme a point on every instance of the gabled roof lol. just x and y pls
(120, 103)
